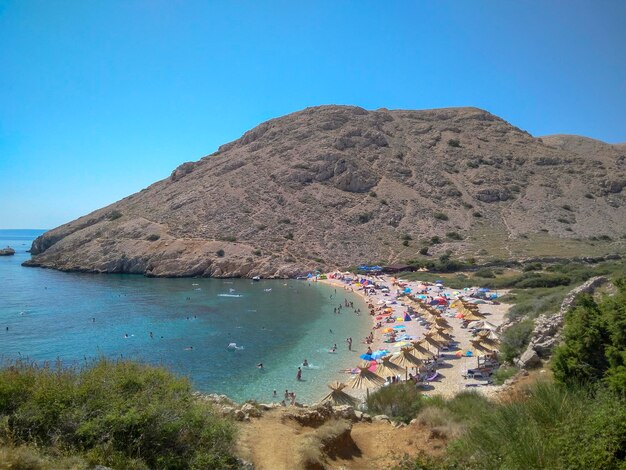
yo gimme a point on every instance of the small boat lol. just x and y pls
(256, 278)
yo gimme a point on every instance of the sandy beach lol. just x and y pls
(451, 368)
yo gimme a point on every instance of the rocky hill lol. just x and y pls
(334, 186)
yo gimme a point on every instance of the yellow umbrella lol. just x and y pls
(366, 379)
(337, 396)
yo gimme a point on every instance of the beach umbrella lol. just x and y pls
(386, 368)
(366, 379)
(399, 327)
(440, 336)
(420, 351)
(380, 353)
(431, 342)
(473, 316)
(479, 346)
(366, 357)
(405, 359)
(337, 396)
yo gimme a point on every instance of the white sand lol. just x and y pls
(452, 368)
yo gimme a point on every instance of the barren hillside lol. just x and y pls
(334, 186)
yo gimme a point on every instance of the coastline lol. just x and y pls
(451, 368)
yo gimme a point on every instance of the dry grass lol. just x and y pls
(29, 458)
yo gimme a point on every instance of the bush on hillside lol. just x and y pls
(594, 346)
(123, 415)
(515, 339)
(401, 402)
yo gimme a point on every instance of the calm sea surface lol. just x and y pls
(79, 317)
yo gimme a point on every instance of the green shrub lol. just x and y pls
(229, 238)
(153, 237)
(454, 236)
(284, 221)
(594, 345)
(405, 243)
(114, 215)
(220, 253)
(257, 252)
(477, 214)
(440, 216)
(553, 428)
(435, 240)
(423, 251)
(122, 414)
(364, 218)
(515, 339)
(406, 236)
(373, 194)
(401, 402)
(532, 267)
(567, 207)
(454, 143)
(289, 236)
(485, 273)
(503, 374)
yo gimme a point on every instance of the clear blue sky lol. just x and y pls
(100, 98)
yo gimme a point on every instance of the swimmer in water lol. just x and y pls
(126, 335)
(305, 363)
(189, 348)
(259, 365)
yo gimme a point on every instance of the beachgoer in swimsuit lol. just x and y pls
(305, 363)
(299, 374)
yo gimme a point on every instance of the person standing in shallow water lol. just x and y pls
(299, 374)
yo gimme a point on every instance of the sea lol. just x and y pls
(74, 319)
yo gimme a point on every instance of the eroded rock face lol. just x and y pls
(547, 332)
(8, 251)
(333, 186)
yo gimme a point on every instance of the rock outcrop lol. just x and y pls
(334, 186)
(547, 331)
(8, 251)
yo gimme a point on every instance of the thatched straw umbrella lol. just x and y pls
(489, 335)
(428, 338)
(441, 337)
(421, 352)
(366, 379)
(479, 346)
(337, 396)
(405, 359)
(386, 368)
(441, 322)
(473, 316)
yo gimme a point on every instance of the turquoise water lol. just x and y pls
(79, 317)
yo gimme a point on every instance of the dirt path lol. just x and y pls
(273, 442)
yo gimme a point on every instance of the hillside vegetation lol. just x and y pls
(335, 186)
(575, 421)
(123, 415)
